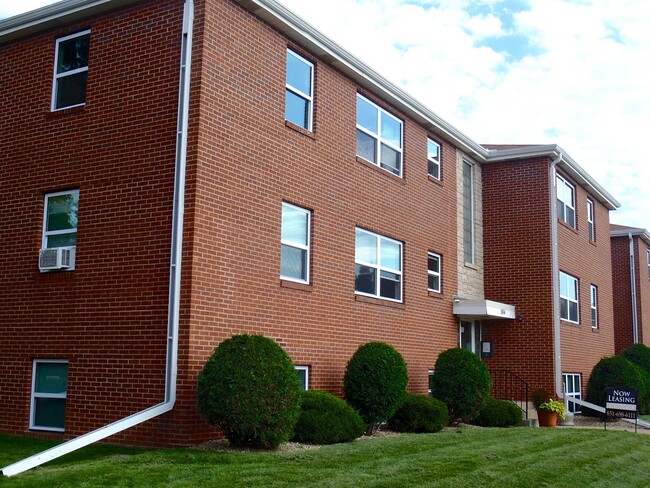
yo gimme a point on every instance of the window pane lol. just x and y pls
(573, 295)
(71, 90)
(573, 311)
(297, 110)
(390, 159)
(62, 240)
(365, 248)
(365, 279)
(50, 412)
(367, 116)
(62, 212)
(434, 282)
(294, 225)
(51, 378)
(391, 130)
(390, 285)
(434, 264)
(434, 169)
(564, 309)
(298, 74)
(570, 216)
(390, 255)
(73, 54)
(293, 263)
(302, 375)
(433, 150)
(366, 146)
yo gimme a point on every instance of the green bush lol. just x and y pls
(540, 395)
(638, 354)
(462, 381)
(643, 404)
(375, 382)
(612, 372)
(498, 413)
(326, 419)
(251, 391)
(420, 413)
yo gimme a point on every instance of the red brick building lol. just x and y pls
(303, 196)
(631, 283)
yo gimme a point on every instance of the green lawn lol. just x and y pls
(525, 457)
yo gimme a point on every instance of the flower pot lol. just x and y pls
(547, 418)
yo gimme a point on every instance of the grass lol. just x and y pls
(513, 457)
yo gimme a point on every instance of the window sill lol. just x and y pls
(300, 130)
(382, 171)
(564, 224)
(595, 330)
(569, 323)
(65, 111)
(435, 294)
(379, 301)
(295, 285)
(471, 266)
(435, 180)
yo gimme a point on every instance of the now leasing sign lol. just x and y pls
(621, 402)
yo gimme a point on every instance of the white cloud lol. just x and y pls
(9, 8)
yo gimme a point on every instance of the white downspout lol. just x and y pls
(556, 281)
(174, 280)
(635, 324)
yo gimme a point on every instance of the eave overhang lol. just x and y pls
(642, 234)
(483, 309)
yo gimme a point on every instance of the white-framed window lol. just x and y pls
(378, 266)
(648, 254)
(430, 375)
(468, 212)
(590, 220)
(295, 242)
(433, 159)
(299, 105)
(379, 136)
(434, 272)
(60, 227)
(565, 201)
(593, 293)
(569, 309)
(49, 391)
(70, 70)
(469, 335)
(303, 374)
(573, 388)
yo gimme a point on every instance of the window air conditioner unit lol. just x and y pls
(55, 258)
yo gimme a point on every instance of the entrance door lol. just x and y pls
(470, 336)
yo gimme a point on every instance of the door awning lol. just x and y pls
(483, 309)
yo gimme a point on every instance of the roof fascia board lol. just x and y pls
(306, 35)
(640, 233)
(53, 15)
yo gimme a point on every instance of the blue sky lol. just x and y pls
(569, 72)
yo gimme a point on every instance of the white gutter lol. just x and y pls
(635, 324)
(174, 280)
(556, 281)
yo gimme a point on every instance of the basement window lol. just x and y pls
(49, 392)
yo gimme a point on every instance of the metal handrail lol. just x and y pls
(507, 385)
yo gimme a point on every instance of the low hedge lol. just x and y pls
(420, 413)
(498, 413)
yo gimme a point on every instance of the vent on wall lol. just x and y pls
(55, 258)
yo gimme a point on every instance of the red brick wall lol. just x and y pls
(623, 322)
(107, 317)
(643, 290)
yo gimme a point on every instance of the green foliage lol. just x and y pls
(540, 395)
(251, 391)
(638, 354)
(498, 413)
(375, 382)
(420, 413)
(462, 381)
(326, 419)
(612, 372)
(554, 406)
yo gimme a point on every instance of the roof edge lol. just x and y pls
(643, 234)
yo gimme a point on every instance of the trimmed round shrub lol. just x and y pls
(638, 354)
(251, 391)
(326, 419)
(613, 372)
(498, 413)
(375, 382)
(462, 381)
(420, 413)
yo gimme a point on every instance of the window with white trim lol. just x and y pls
(565, 201)
(430, 376)
(468, 212)
(70, 70)
(379, 136)
(299, 105)
(434, 272)
(294, 262)
(49, 392)
(378, 266)
(573, 388)
(433, 159)
(569, 298)
(60, 223)
(303, 374)
(590, 220)
(593, 294)
(648, 254)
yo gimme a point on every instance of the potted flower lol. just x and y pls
(549, 411)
